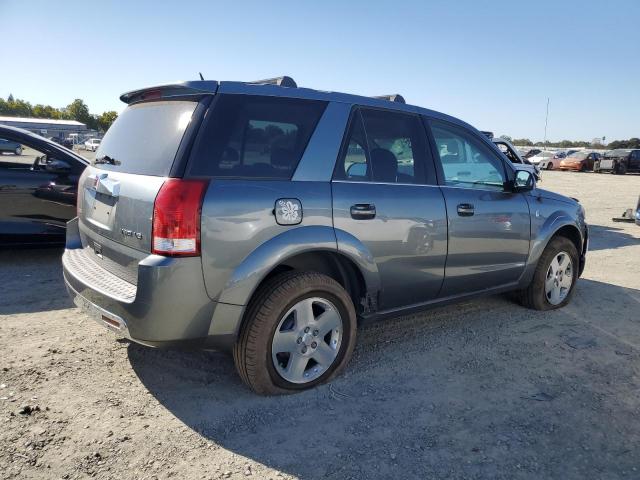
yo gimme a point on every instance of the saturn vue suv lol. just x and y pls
(269, 221)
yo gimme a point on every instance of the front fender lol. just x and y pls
(543, 229)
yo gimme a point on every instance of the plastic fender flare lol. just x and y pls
(551, 226)
(246, 278)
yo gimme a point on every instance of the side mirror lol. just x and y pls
(57, 166)
(524, 181)
(358, 170)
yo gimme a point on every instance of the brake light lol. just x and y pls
(176, 217)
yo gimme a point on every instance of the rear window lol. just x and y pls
(251, 136)
(145, 138)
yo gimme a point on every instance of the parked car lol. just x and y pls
(65, 142)
(531, 152)
(514, 157)
(543, 160)
(269, 221)
(579, 161)
(92, 144)
(559, 155)
(38, 193)
(8, 146)
(619, 161)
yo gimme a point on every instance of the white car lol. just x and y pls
(92, 144)
(543, 160)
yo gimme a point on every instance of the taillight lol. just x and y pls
(176, 217)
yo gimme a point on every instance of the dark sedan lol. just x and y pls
(38, 190)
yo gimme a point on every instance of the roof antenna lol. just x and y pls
(201, 77)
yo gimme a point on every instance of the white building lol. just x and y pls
(47, 127)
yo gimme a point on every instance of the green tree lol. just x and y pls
(525, 142)
(78, 110)
(106, 119)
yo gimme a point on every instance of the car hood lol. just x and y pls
(555, 196)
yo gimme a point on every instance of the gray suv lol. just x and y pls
(268, 220)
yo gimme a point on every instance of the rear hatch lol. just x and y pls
(117, 191)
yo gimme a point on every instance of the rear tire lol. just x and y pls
(621, 169)
(262, 367)
(535, 295)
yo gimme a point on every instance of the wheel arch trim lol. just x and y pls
(555, 223)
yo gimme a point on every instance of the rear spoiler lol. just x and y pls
(201, 87)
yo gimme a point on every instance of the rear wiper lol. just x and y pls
(107, 159)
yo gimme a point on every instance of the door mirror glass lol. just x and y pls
(524, 181)
(357, 170)
(57, 166)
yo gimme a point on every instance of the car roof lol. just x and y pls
(204, 87)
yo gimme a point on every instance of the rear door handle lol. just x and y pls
(363, 211)
(465, 209)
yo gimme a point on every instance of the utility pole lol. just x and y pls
(546, 121)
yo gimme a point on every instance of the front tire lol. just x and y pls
(549, 166)
(555, 277)
(300, 331)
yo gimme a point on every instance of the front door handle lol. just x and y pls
(363, 211)
(465, 209)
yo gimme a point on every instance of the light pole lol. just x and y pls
(546, 121)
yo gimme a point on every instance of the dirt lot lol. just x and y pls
(485, 389)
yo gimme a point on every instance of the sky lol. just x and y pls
(490, 63)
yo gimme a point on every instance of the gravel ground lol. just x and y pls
(482, 389)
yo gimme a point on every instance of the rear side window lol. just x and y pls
(145, 138)
(252, 136)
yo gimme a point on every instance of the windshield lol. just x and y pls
(617, 153)
(145, 138)
(578, 155)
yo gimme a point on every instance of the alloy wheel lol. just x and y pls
(307, 340)
(559, 278)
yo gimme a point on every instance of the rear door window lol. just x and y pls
(145, 137)
(384, 147)
(251, 136)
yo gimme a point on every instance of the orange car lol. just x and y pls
(579, 161)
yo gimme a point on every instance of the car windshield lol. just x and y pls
(617, 153)
(578, 155)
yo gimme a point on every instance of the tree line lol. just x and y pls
(76, 110)
(630, 143)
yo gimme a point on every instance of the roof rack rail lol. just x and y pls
(280, 81)
(396, 97)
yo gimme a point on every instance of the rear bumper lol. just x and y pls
(169, 305)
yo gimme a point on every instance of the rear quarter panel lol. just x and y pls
(238, 218)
